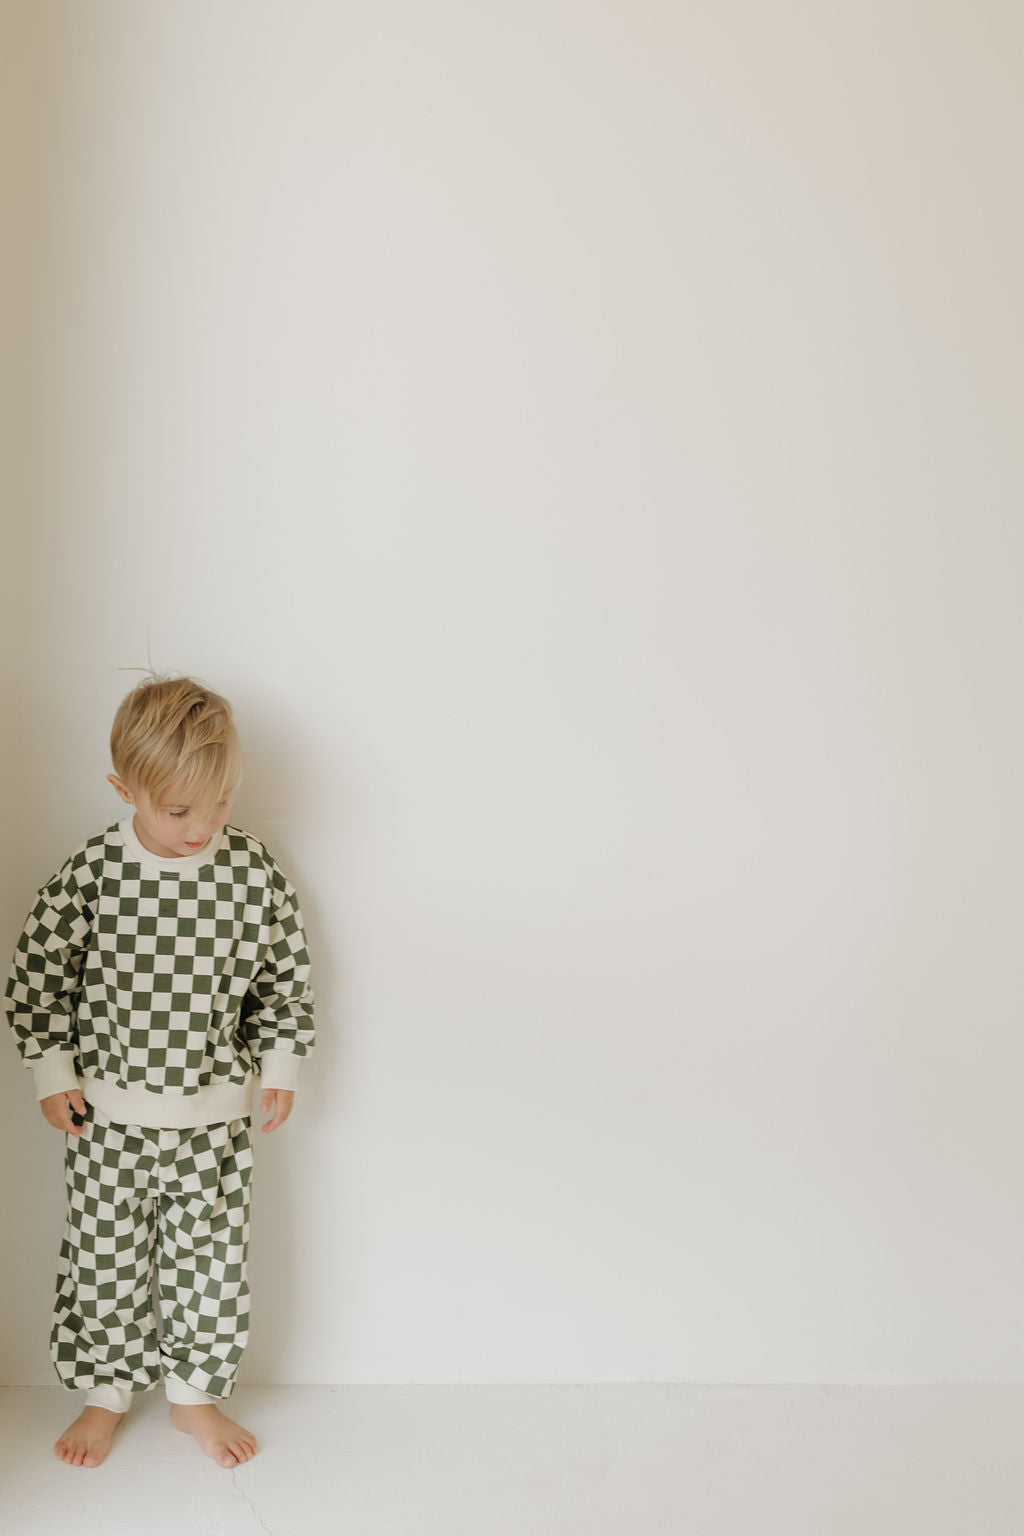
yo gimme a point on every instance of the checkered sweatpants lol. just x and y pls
(144, 1202)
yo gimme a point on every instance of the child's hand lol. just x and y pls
(282, 1107)
(56, 1109)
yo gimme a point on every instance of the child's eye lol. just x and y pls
(177, 814)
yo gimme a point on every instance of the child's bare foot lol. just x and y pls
(85, 1442)
(226, 1442)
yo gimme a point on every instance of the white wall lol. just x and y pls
(583, 441)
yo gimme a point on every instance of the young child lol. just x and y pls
(161, 968)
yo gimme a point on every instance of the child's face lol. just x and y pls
(171, 830)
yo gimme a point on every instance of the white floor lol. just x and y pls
(538, 1461)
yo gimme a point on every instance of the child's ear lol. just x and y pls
(121, 787)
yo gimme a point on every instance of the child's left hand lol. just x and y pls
(280, 1100)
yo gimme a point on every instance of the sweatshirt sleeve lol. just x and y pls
(44, 983)
(278, 1014)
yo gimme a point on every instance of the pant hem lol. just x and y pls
(183, 1393)
(109, 1394)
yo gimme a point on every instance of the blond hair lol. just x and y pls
(174, 733)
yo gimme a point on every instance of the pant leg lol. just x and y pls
(104, 1337)
(202, 1251)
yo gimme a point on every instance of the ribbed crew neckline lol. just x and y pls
(182, 866)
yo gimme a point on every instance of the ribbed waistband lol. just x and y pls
(170, 1111)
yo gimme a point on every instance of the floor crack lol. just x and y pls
(236, 1485)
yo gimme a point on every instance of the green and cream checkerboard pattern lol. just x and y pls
(167, 984)
(139, 1200)
(161, 980)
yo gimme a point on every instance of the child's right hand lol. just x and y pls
(57, 1108)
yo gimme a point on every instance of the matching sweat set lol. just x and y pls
(159, 988)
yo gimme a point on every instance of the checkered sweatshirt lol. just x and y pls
(159, 986)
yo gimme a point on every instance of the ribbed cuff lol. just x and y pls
(179, 1391)
(279, 1069)
(109, 1394)
(55, 1074)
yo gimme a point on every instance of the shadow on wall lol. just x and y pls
(31, 1151)
(277, 802)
